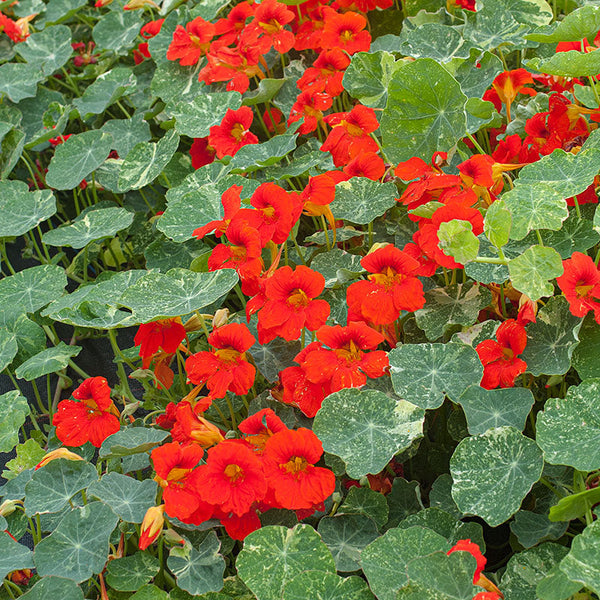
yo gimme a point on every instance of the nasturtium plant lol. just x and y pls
(299, 300)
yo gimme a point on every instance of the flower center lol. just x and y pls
(508, 353)
(238, 253)
(583, 290)
(237, 132)
(234, 472)
(350, 352)
(298, 299)
(295, 465)
(228, 355)
(271, 27)
(346, 35)
(388, 278)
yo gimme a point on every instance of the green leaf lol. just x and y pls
(425, 373)
(552, 339)
(53, 485)
(346, 536)
(126, 133)
(46, 362)
(532, 528)
(530, 12)
(404, 500)
(337, 266)
(365, 501)
(534, 206)
(365, 428)
(76, 158)
(151, 592)
(104, 91)
(176, 292)
(29, 454)
(32, 288)
(48, 50)
(272, 556)
(585, 355)
(567, 64)
(368, 75)
(581, 23)
(500, 463)
(361, 200)
(567, 174)
(481, 113)
(453, 305)
(476, 74)
(11, 150)
(172, 82)
(61, 10)
(440, 496)
(434, 40)
(146, 161)
(556, 586)
(319, 585)
(439, 576)
(425, 112)
(568, 431)
(526, 569)
(163, 254)
(384, 561)
(131, 441)
(19, 80)
(117, 30)
(198, 571)
(574, 506)
(78, 547)
(30, 337)
(22, 210)
(531, 271)
(129, 573)
(576, 235)
(14, 555)
(253, 157)
(458, 240)
(582, 563)
(93, 225)
(13, 412)
(128, 497)
(486, 409)
(267, 88)
(497, 223)
(8, 348)
(195, 118)
(54, 587)
(273, 357)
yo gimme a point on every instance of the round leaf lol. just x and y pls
(13, 412)
(132, 440)
(117, 30)
(532, 528)
(46, 362)
(365, 501)
(22, 210)
(501, 463)
(567, 64)
(48, 50)
(195, 118)
(361, 200)
(19, 80)
(585, 355)
(582, 563)
(318, 585)
(581, 23)
(14, 555)
(54, 587)
(366, 428)
(129, 573)
(531, 271)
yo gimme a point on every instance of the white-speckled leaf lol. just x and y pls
(532, 528)
(19, 80)
(8, 348)
(130, 573)
(360, 200)
(366, 428)
(48, 361)
(78, 547)
(384, 560)
(253, 157)
(581, 23)
(435, 40)
(52, 486)
(93, 225)
(425, 373)
(272, 556)
(567, 64)
(500, 463)
(319, 585)
(195, 118)
(76, 158)
(585, 357)
(552, 339)
(13, 412)
(365, 501)
(127, 133)
(582, 563)
(453, 305)
(146, 161)
(14, 555)
(104, 91)
(176, 292)
(568, 431)
(48, 50)
(531, 272)
(22, 210)
(486, 409)
(54, 587)
(127, 496)
(117, 30)
(132, 440)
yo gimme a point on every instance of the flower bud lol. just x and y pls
(151, 525)
(220, 318)
(58, 453)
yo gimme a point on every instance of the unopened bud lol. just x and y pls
(151, 525)
(130, 409)
(58, 453)
(172, 537)
(8, 507)
(220, 317)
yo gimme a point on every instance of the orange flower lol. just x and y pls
(165, 333)
(190, 427)
(233, 133)
(232, 477)
(93, 418)
(259, 427)
(151, 526)
(345, 31)
(231, 201)
(58, 453)
(267, 28)
(309, 106)
(191, 43)
(580, 283)
(234, 65)
(224, 368)
(506, 86)
(294, 481)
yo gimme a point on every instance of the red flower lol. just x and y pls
(224, 368)
(191, 43)
(327, 72)
(267, 28)
(474, 550)
(238, 527)
(291, 304)
(234, 65)
(177, 475)
(391, 288)
(259, 427)
(13, 29)
(93, 418)
(166, 334)
(506, 86)
(347, 364)
(580, 283)
(202, 152)
(309, 106)
(152, 28)
(366, 164)
(151, 526)
(231, 201)
(233, 132)
(230, 27)
(289, 460)
(345, 31)
(190, 427)
(232, 477)
(499, 358)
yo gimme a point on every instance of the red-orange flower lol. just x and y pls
(345, 31)
(499, 358)
(201, 152)
(13, 29)
(267, 28)
(93, 417)
(327, 72)
(165, 333)
(259, 427)
(234, 65)
(391, 288)
(348, 362)
(190, 427)
(309, 106)
(224, 368)
(232, 478)
(580, 283)
(291, 304)
(151, 526)
(289, 460)
(231, 201)
(191, 43)
(506, 86)
(233, 133)
(366, 164)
